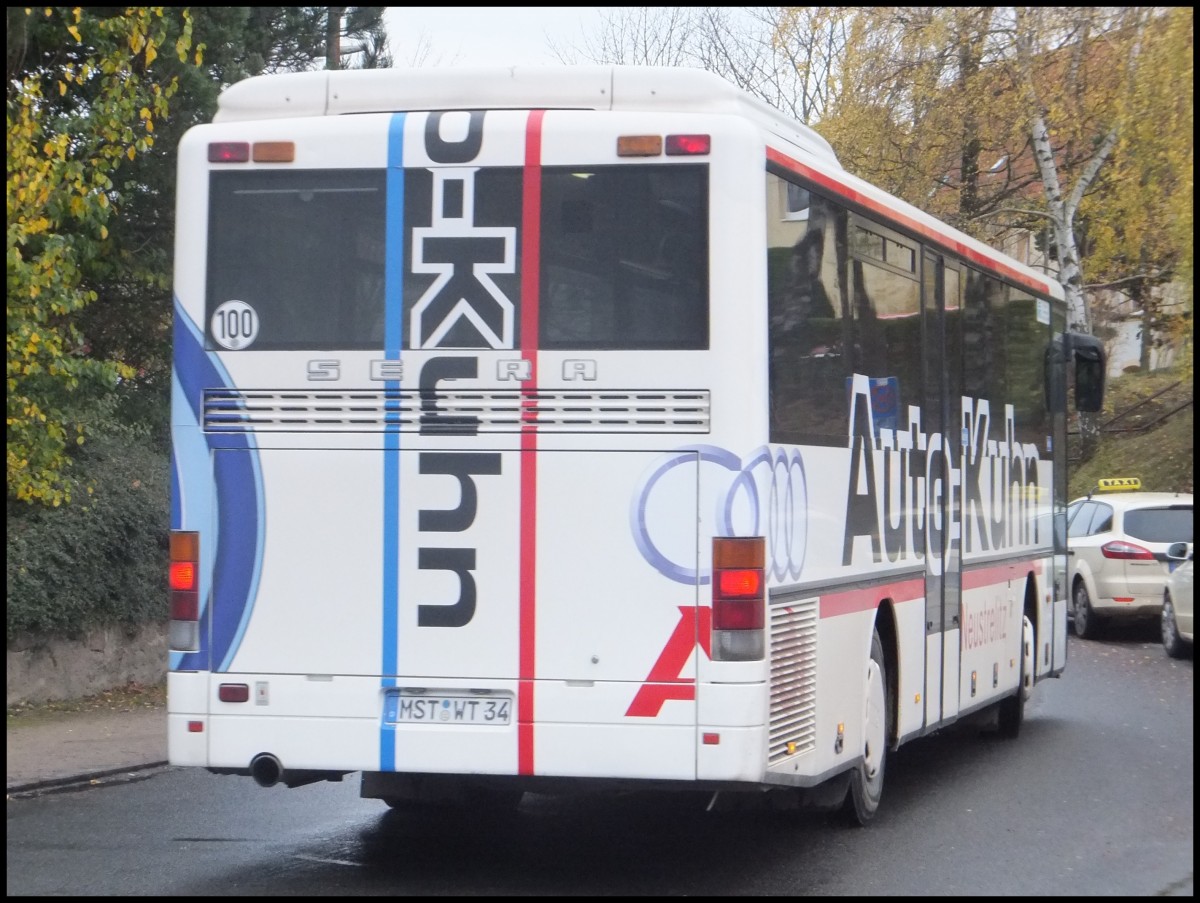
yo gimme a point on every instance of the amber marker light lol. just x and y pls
(639, 145)
(274, 151)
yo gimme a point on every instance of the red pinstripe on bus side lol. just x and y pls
(855, 600)
(530, 263)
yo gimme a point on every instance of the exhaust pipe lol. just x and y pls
(266, 770)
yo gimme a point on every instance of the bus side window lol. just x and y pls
(805, 263)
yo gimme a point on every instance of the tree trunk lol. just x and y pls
(333, 37)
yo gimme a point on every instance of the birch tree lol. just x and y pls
(1072, 66)
(1002, 118)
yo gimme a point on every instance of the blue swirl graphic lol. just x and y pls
(238, 527)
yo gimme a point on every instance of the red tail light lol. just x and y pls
(739, 598)
(1126, 551)
(688, 145)
(183, 579)
(183, 575)
(229, 152)
(739, 583)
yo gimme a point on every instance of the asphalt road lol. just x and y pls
(1094, 798)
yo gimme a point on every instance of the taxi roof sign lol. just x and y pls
(1119, 484)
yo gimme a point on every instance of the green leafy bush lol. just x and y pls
(102, 559)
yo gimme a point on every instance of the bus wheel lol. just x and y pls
(866, 780)
(1012, 709)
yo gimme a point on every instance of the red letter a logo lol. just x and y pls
(663, 682)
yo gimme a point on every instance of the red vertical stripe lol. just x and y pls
(531, 240)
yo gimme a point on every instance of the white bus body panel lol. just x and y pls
(591, 553)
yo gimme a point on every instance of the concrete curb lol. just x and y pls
(87, 779)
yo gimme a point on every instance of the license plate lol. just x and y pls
(410, 708)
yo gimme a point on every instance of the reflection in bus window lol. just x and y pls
(843, 298)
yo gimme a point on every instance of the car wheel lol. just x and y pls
(1012, 709)
(866, 781)
(1172, 641)
(1084, 616)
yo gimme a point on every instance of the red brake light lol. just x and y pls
(183, 575)
(739, 583)
(1127, 551)
(229, 152)
(688, 145)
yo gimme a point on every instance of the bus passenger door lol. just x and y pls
(942, 368)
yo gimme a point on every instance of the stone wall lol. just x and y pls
(50, 670)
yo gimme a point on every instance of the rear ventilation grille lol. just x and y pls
(464, 412)
(793, 680)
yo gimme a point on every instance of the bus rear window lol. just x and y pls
(303, 251)
(296, 259)
(624, 257)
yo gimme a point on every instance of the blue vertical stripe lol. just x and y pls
(392, 339)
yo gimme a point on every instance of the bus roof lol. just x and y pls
(618, 88)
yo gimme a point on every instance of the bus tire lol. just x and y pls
(866, 780)
(1011, 712)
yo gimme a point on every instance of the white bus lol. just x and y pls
(592, 427)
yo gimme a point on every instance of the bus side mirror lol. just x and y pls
(1087, 354)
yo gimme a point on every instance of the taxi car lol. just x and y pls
(1177, 621)
(1117, 541)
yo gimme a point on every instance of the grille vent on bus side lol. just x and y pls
(649, 411)
(793, 680)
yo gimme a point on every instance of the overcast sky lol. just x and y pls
(487, 36)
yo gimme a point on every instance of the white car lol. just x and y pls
(1177, 602)
(1117, 552)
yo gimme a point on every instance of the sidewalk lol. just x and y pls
(58, 750)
